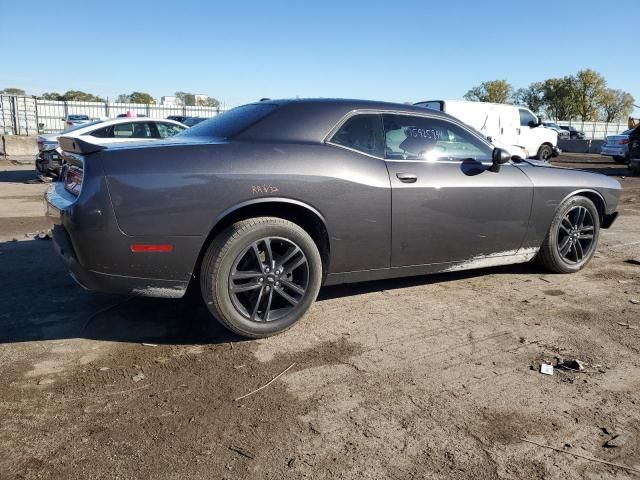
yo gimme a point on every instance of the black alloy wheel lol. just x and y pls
(268, 279)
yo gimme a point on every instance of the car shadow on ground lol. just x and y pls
(41, 302)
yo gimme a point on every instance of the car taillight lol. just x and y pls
(73, 180)
(624, 141)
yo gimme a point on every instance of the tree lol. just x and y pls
(494, 91)
(123, 98)
(557, 94)
(51, 96)
(80, 96)
(615, 105)
(208, 102)
(141, 97)
(13, 91)
(185, 98)
(588, 89)
(531, 96)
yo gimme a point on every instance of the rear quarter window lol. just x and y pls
(233, 122)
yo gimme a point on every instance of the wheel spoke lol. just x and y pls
(580, 217)
(566, 224)
(245, 287)
(287, 297)
(256, 252)
(579, 251)
(267, 310)
(301, 261)
(587, 236)
(268, 253)
(293, 286)
(244, 275)
(586, 229)
(565, 249)
(257, 305)
(564, 243)
(288, 256)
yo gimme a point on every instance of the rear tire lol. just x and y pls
(260, 276)
(618, 159)
(572, 238)
(545, 153)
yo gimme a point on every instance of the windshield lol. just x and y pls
(231, 123)
(78, 117)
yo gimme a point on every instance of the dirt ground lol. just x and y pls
(428, 377)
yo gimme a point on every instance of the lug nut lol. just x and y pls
(266, 269)
(261, 280)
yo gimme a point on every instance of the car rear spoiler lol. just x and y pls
(78, 145)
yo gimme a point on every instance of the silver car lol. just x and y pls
(617, 146)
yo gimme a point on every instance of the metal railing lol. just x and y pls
(596, 130)
(21, 115)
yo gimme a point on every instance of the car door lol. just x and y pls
(528, 133)
(447, 203)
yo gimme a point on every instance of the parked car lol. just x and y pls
(177, 118)
(49, 163)
(191, 121)
(634, 150)
(617, 146)
(574, 133)
(74, 120)
(261, 205)
(562, 134)
(511, 127)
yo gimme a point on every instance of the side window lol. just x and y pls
(168, 129)
(132, 130)
(104, 132)
(420, 138)
(363, 133)
(526, 117)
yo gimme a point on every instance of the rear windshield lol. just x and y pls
(231, 123)
(78, 117)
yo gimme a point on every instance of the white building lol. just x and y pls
(169, 101)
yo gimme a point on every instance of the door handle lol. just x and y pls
(407, 177)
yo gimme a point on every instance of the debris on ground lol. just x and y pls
(635, 301)
(633, 261)
(616, 441)
(149, 344)
(241, 451)
(139, 376)
(571, 364)
(628, 325)
(546, 368)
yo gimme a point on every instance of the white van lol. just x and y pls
(511, 127)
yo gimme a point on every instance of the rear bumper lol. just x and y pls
(58, 205)
(614, 151)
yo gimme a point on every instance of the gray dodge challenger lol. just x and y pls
(260, 206)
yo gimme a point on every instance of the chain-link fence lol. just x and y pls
(30, 115)
(596, 130)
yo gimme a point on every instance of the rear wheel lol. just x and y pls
(260, 276)
(573, 236)
(544, 153)
(619, 159)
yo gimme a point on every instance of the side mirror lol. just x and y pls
(499, 157)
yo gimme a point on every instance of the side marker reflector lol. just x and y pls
(143, 248)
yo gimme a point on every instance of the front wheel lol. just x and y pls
(572, 238)
(545, 153)
(260, 276)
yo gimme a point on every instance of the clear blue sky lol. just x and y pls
(239, 51)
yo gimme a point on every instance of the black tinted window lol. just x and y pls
(526, 117)
(362, 133)
(104, 132)
(420, 138)
(229, 124)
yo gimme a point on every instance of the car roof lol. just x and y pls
(116, 121)
(312, 119)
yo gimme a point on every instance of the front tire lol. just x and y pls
(260, 276)
(545, 152)
(572, 238)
